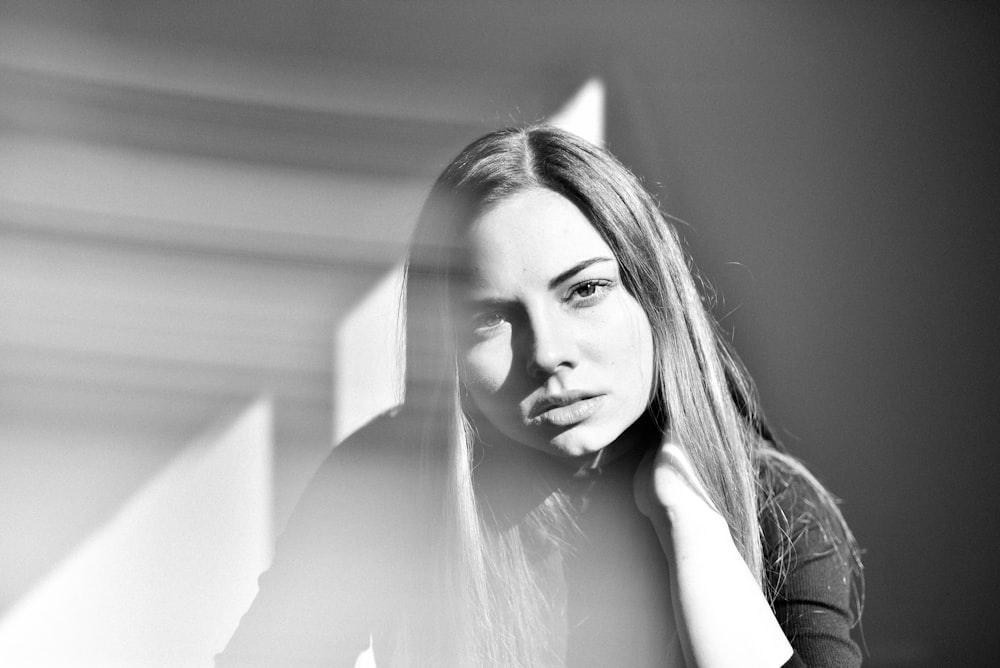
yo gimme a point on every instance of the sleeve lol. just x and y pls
(331, 585)
(812, 576)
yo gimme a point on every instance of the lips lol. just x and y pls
(565, 409)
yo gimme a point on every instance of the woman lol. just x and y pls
(579, 476)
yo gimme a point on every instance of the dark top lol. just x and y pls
(348, 555)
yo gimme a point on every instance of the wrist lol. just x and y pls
(705, 535)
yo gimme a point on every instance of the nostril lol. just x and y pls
(544, 362)
(535, 369)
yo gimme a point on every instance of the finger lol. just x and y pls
(675, 478)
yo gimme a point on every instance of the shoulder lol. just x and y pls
(389, 440)
(343, 559)
(800, 520)
(812, 569)
(366, 480)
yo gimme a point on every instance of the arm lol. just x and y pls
(722, 615)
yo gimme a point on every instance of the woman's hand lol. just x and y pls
(668, 491)
(722, 616)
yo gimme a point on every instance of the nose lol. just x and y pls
(551, 347)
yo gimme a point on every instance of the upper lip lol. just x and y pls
(551, 401)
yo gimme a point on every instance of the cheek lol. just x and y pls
(636, 355)
(485, 368)
(647, 361)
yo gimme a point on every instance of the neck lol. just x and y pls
(514, 478)
(641, 435)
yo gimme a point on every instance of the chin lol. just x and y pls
(571, 445)
(585, 442)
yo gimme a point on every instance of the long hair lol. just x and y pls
(701, 392)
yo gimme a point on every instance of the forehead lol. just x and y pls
(532, 234)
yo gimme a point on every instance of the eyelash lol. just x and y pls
(480, 322)
(600, 285)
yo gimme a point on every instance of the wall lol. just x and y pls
(835, 166)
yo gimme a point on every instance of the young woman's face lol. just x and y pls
(555, 353)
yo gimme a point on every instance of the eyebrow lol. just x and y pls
(575, 269)
(490, 303)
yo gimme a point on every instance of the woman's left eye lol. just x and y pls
(588, 292)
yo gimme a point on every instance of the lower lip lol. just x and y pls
(570, 414)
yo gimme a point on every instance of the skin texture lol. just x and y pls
(556, 353)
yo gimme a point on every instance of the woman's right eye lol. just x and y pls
(484, 322)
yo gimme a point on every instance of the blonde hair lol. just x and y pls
(490, 603)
